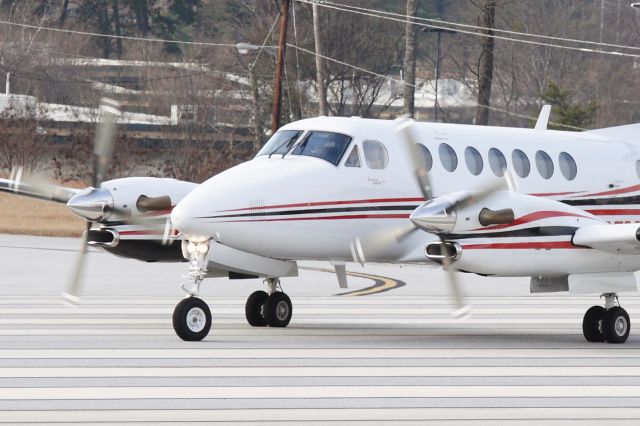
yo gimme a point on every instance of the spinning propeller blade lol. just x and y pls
(105, 138)
(463, 309)
(103, 152)
(71, 294)
(376, 242)
(34, 186)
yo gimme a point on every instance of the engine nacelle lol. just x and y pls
(127, 198)
(145, 196)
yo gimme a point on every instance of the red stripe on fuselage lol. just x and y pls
(330, 203)
(614, 191)
(139, 233)
(553, 194)
(344, 217)
(614, 212)
(523, 246)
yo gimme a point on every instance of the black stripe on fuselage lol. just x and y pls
(538, 231)
(315, 211)
(615, 201)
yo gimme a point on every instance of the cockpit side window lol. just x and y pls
(326, 145)
(353, 160)
(280, 143)
(375, 154)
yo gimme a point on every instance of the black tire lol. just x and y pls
(592, 324)
(277, 310)
(616, 325)
(253, 308)
(192, 319)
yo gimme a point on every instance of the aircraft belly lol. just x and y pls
(331, 240)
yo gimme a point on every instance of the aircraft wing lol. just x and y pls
(613, 238)
(47, 192)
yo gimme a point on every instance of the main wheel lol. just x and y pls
(277, 310)
(253, 308)
(616, 325)
(592, 324)
(192, 319)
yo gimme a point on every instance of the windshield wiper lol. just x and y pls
(286, 142)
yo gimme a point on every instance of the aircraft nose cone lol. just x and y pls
(92, 204)
(186, 219)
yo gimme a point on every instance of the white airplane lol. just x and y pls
(353, 189)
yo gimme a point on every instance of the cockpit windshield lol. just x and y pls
(280, 143)
(326, 145)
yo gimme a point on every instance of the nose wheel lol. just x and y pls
(610, 323)
(192, 319)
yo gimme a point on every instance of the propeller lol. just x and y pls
(35, 187)
(436, 215)
(404, 130)
(87, 200)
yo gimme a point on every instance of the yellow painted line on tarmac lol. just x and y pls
(381, 284)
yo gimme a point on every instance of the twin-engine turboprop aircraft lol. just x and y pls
(352, 189)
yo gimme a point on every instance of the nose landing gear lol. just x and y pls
(610, 324)
(192, 317)
(273, 309)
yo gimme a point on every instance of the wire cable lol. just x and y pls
(424, 25)
(504, 111)
(87, 33)
(481, 28)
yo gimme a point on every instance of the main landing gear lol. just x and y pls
(610, 323)
(273, 309)
(192, 317)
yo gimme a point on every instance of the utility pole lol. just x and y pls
(282, 45)
(439, 32)
(409, 65)
(485, 66)
(322, 93)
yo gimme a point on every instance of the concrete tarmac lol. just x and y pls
(392, 356)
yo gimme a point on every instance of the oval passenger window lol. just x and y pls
(474, 160)
(375, 154)
(569, 169)
(425, 156)
(544, 164)
(448, 157)
(521, 163)
(497, 162)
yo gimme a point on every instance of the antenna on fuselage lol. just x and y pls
(543, 118)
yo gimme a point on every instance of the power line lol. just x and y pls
(514, 114)
(477, 27)
(87, 33)
(376, 14)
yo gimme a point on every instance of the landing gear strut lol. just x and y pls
(192, 317)
(610, 323)
(273, 309)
